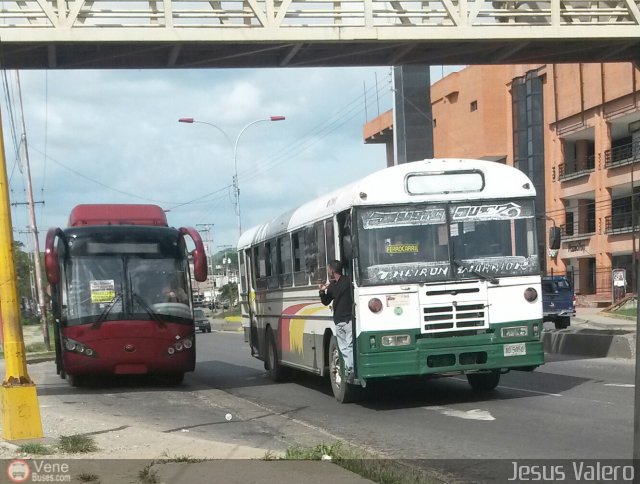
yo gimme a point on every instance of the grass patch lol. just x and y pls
(166, 458)
(369, 466)
(233, 319)
(269, 455)
(149, 475)
(88, 477)
(76, 444)
(629, 312)
(36, 348)
(35, 449)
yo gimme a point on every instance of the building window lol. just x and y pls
(473, 106)
(435, 124)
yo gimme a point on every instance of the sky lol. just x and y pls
(113, 136)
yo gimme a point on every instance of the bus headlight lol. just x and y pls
(515, 332)
(396, 340)
(181, 344)
(375, 305)
(74, 346)
(530, 294)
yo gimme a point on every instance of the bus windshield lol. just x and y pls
(125, 287)
(429, 243)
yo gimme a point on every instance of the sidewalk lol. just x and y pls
(129, 451)
(593, 333)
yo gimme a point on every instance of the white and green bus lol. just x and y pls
(446, 278)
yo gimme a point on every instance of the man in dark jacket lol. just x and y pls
(340, 292)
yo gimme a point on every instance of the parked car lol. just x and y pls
(202, 321)
(558, 301)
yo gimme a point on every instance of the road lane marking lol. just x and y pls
(620, 385)
(476, 414)
(530, 391)
(519, 389)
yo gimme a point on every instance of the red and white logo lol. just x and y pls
(18, 471)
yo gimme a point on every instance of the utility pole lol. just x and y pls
(635, 255)
(208, 240)
(225, 260)
(34, 227)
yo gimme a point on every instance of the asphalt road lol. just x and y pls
(569, 409)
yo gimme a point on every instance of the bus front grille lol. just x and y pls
(451, 317)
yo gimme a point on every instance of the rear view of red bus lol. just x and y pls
(121, 293)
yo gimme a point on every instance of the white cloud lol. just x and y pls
(120, 128)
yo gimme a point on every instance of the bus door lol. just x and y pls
(250, 297)
(346, 242)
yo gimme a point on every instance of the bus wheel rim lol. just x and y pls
(335, 368)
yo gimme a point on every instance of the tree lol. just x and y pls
(229, 292)
(24, 269)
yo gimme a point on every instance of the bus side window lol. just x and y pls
(286, 269)
(331, 245)
(311, 254)
(255, 273)
(344, 231)
(272, 264)
(261, 273)
(299, 274)
(321, 274)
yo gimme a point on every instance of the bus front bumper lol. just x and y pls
(425, 360)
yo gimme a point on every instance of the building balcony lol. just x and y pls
(621, 223)
(622, 155)
(576, 168)
(571, 232)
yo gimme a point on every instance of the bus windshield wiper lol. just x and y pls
(486, 277)
(105, 312)
(148, 309)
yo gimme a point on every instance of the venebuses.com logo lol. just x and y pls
(18, 471)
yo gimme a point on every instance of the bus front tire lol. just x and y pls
(75, 380)
(343, 391)
(483, 382)
(173, 379)
(275, 370)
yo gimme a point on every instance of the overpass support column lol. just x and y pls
(413, 123)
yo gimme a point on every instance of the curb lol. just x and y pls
(40, 357)
(591, 343)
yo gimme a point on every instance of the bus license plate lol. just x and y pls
(515, 349)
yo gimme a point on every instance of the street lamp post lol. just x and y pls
(236, 187)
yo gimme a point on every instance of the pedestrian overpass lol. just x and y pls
(70, 34)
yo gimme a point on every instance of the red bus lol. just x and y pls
(121, 293)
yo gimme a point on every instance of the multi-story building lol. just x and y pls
(575, 130)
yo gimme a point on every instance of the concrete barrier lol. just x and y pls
(591, 343)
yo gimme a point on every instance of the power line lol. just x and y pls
(308, 139)
(93, 180)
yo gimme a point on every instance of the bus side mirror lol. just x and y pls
(555, 236)
(51, 265)
(199, 256)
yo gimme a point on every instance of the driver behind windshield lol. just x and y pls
(172, 292)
